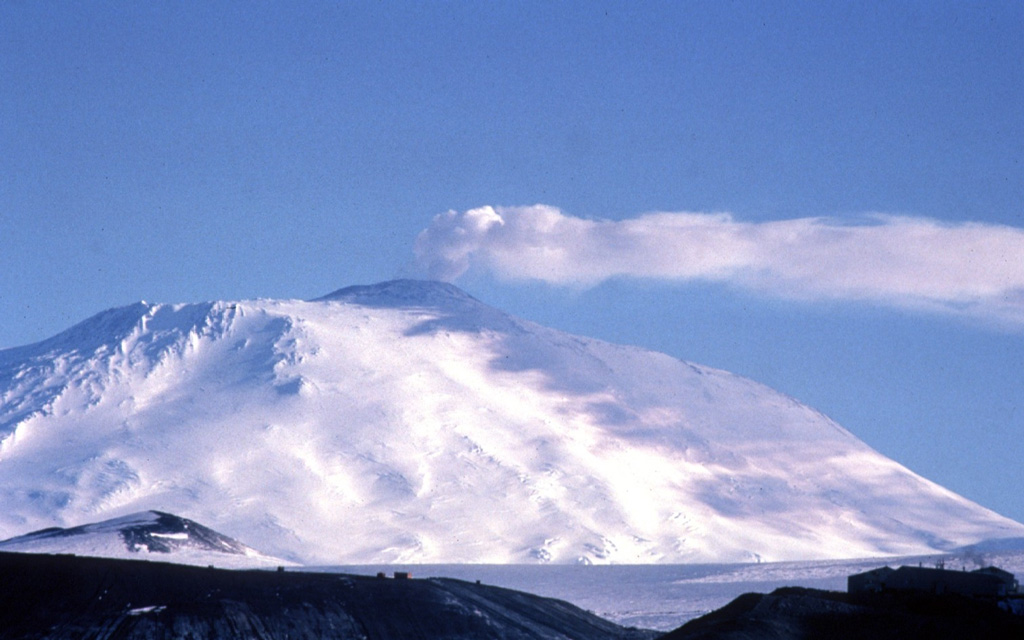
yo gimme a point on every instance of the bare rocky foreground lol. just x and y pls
(809, 614)
(58, 597)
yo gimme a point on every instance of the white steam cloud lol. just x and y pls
(968, 269)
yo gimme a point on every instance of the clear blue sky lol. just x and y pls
(178, 152)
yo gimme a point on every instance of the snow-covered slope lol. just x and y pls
(409, 422)
(149, 535)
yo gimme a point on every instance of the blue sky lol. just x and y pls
(841, 187)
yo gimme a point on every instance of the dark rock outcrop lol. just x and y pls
(808, 614)
(58, 597)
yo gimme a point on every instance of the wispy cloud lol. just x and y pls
(967, 269)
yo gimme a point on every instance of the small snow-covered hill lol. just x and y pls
(409, 422)
(149, 535)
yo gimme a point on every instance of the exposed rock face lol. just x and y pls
(808, 614)
(73, 598)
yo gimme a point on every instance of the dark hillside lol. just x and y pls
(808, 614)
(81, 598)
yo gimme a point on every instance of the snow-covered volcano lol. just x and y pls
(409, 422)
(150, 535)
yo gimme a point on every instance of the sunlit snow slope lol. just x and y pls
(409, 422)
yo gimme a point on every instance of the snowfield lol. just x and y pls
(664, 597)
(408, 422)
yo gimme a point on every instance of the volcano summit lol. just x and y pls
(409, 422)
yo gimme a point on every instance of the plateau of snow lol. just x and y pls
(409, 422)
(665, 596)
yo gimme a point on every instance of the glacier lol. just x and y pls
(409, 422)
